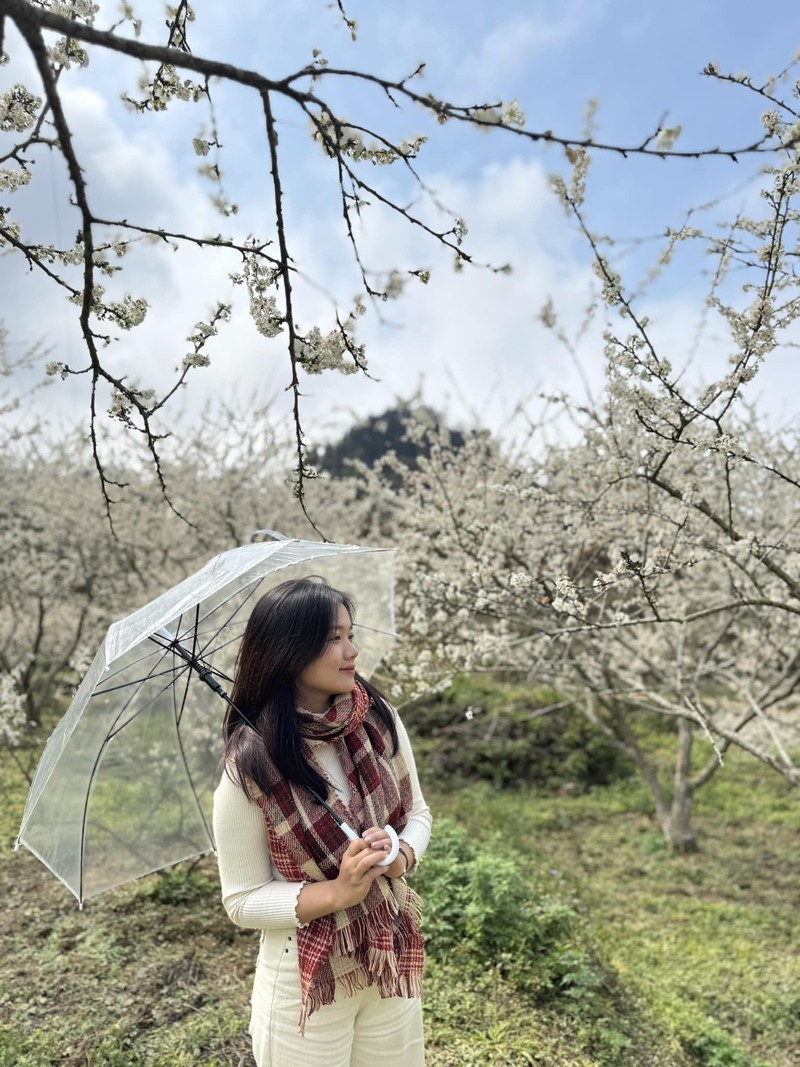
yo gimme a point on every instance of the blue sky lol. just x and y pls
(471, 343)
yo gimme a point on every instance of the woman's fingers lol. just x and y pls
(366, 860)
(355, 847)
(359, 859)
(359, 853)
(377, 838)
(358, 870)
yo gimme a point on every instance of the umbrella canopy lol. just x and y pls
(125, 784)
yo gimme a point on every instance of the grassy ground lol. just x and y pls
(705, 946)
(698, 956)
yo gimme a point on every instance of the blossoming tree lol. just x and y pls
(59, 36)
(66, 576)
(651, 565)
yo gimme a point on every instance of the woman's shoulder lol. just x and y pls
(232, 784)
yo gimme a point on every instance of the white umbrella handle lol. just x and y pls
(392, 856)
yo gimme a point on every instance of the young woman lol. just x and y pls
(339, 972)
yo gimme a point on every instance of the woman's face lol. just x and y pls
(332, 673)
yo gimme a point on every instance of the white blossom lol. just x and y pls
(12, 709)
(512, 114)
(567, 599)
(18, 109)
(129, 312)
(460, 230)
(520, 580)
(259, 279)
(68, 52)
(195, 359)
(667, 137)
(11, 180)
(317, 352)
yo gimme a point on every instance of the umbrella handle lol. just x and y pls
(392, 856)
(395, 840)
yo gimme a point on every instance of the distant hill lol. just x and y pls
(371, 439)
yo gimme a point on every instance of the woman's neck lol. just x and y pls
(313, 705)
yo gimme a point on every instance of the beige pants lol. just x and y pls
(357, 1031)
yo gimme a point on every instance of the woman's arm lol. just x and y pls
(416, 834)
(251, 895)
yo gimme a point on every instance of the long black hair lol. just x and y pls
(288, 629)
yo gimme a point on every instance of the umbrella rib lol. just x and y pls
(174, 674)
(237, 610)
(143, 659)
(373, 629)
(168, 673)
(177, 717)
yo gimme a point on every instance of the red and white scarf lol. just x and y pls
(377, 942)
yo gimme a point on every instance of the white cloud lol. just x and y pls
(508, 49)
(472, 340)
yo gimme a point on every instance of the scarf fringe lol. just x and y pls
(395, 969)
(324, 992)
(408, 986)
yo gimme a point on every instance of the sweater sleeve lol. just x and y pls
(251, 894)
(417, 831)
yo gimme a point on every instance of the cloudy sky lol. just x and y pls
(471, 342)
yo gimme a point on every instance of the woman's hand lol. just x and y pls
(359, 868)
(378, 839)
(357, 871)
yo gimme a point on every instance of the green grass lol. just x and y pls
(707, 945)
(677, 961)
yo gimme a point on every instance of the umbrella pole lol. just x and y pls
(203, 671)
(347, 830)
(350, 833)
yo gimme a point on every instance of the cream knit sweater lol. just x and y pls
(253, 893)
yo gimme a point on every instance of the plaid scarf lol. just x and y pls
(377, 942)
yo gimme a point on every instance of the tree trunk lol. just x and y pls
(676, 819)
(674, 813)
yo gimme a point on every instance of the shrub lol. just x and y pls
(489, 731)
(481, 910)
(182, 885)
(715, 1049)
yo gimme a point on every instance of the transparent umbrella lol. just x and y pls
(124, 786)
